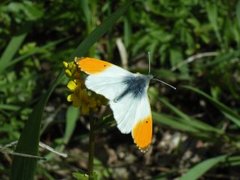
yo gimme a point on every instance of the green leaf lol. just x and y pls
(9, 107)
(80, 176)
(100, 31)
(12, 48)
(189, 121)
(84, 176)
(71, 119)
(228, 112)
(233, 161)
(127, 31)
(17, 40)
(24, 168)
(238, 12)
(222, 58)
(212, 12)
(176, 58)
(32, 11)
(173, 122)
(35, 51)
(86, 11)
(198, 170)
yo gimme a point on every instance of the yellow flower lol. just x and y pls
(72, 85)
(80, 96)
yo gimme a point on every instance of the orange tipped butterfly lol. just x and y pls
(127, 95)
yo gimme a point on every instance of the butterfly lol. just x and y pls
(127, 95)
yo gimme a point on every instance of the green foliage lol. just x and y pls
(198, 170)
(23, 167)
(172, 30)
(195, 46)
(79, 176)
(71, 119)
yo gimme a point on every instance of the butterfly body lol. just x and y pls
(136, 85)
(127, 95)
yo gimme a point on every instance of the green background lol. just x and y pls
(194, 46)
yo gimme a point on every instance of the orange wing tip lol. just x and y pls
(142, 133)
(92, 65)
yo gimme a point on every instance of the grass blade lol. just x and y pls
(35, 51)
(212, 12)
(228, 112)
(100, 31)
(12, 48)
(23, 167)
(189, 121)
(9, 107)
(238, 12)
(223, 57)
(201, 168)
(171, 122)
(71, 119)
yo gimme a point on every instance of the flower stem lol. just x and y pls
(91, 149)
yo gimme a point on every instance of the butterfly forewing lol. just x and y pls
(104, 78)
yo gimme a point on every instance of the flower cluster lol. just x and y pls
(80, 96)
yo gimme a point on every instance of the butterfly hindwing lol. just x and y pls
(124, 112)
(134, 115)
(142, 129)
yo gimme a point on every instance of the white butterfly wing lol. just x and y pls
(132, 114)
(124, 111)
(104, 78)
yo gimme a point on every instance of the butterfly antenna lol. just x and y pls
(149, 62)
(164, 83)
(149, 71)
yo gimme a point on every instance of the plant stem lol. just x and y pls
(91, 148)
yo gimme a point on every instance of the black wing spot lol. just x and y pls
(135, 85)
(146, 121)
